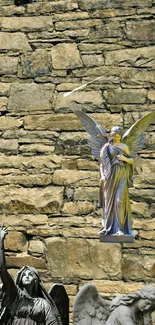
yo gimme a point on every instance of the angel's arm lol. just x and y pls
(8, 283)
(127, 157)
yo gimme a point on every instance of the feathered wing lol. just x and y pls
(134, 136)
(89, 307)
(59, 295)
(98, 136)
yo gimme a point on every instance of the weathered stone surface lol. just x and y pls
(26, 179)
(89, 99)
(86, 193)
(140, 208)
(23, 259)
(8, 65)
(67, 121)
(21, 97)
(119, 96)
(109, 29)
(78, 24)
(7, 122)
(16, 241)
(102, 4)
(77, 208)
(151, 95)
(148, 224)
(36, 246)
(4, 89)
(24, 220)
(27, 163)
(26, 23)
(52, 6)
(3, 103)
(66, 177)
(63, 54)
(14, 42)
(36, 64)
(31, 200)
(36, 148)
(139, 57)
(70, 16)
(91, 258)
(142, 30)
(136, 267)
(92, 60)
(8, 145)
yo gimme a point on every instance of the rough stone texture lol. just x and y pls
(49, 181)
(63, 54)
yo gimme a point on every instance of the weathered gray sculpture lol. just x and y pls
(25, 302)
(115, 154)
(130, 309)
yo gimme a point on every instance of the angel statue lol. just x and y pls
(115, 154)
(130, 309)
(25, 301)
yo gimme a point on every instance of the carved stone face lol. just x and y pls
(145, 304)
(117, 138)
(28, 278)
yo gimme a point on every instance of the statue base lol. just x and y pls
(116, 239)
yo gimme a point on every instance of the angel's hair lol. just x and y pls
(148, 292)
(116, 130)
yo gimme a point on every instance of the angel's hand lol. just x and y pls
(121, 157)
(3, 232)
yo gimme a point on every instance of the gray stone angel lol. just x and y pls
(115, 154)
(129, 309)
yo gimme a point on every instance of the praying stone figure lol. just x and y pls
(25, 302)
(115, 153)
(129, 309)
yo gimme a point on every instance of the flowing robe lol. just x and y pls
(117, 176)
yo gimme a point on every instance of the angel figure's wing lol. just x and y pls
(98, 136)
(59, 295)
(134, 136)
(89, 307)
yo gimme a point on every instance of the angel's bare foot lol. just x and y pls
(119, 233)
(102, 231)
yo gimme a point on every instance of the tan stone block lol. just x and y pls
(141, 30)
(130, 118)
(25, 179)
(70, 16)
(16, 241)
(45, 231)
(83, 258)
(81, 97)
(115, 287)
(8, 145)
(86, 193)
(89, 232)
(144, 224)
(151, 94)
(27, 23)
(21, 97)
(119, 96)
(78, 24)
(77, 208)
(31, 200)
(52, 6)
(68, 122)
(7, 122)
(23, 259)
(24, 220)
(36, 246)
(3, 103)
(147, 235)
(14, 42)
(8, 65)
(140, 208)
(92, 60)
(4, 88)
(63, 54)
(67, 177)
(142, 56)
(138, 267)
(102, 4)
(85, 164)
(36, 148)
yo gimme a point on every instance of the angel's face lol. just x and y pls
(117, 138)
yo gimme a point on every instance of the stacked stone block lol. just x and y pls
(49, 181)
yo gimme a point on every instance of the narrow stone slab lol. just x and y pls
(116, 239)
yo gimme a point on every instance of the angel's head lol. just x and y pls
(28, 278)
(116, 134)
(144, 299)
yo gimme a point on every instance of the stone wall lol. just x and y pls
(49, 181)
